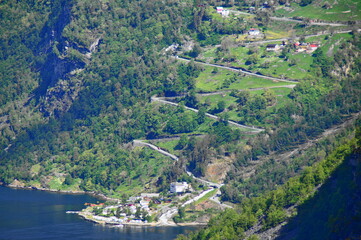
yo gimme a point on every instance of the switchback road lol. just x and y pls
(254, 129)
(234, 69)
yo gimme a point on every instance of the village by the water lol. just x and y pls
(148, 208)
(167, 209)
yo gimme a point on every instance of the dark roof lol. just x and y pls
(271, 45)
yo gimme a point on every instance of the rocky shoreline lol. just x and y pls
(19, 185)
(90, 217)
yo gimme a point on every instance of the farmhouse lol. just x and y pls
(177, 187)
(222, 11)
(306, 47)
(272, 47)
(312, 47)
(254, 32)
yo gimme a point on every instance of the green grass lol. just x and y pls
(277, 67)
(281, 95)
(250, 82)
(56, 183)
(209, 82)
(277, 34)
(168, 145)
(206, 197)
(335, 42)
(212, 101)
(315, 11)
(35, 169)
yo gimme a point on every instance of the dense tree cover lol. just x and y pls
(125, 70)
(315, 105)
(84, 142)
(270, 208)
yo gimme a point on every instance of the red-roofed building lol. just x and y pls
(254, 31)
(313, 46)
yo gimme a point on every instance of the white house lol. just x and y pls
(219, 10)
(222, 11)
(177, 187)
(254, 32)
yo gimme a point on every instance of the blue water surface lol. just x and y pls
(31, 214)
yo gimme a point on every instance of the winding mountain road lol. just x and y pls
(140, 143)
(168, 212)
(234, 69)
(285, 19)
(254, 129)
(204, 94)
(305, 36)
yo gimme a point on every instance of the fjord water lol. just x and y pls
(27, 214)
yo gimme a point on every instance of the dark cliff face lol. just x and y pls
(53, 67)
(55, 88)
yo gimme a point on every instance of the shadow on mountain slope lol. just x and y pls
(335, 210)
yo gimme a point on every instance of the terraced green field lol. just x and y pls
(294, 66)
(341, 10)
(231, 105)
(209, 82)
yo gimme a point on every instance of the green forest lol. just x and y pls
(82, 80)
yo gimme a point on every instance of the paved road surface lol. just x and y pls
(305, 36)
(140, 142)
(239, 70)
(294, 20)
(255, 129)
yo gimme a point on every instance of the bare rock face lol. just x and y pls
(59, 98)
(17, 184)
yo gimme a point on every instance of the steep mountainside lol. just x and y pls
(255, 92)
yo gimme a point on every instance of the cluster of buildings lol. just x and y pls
(137, 208)
(306, 47)
(299, 47)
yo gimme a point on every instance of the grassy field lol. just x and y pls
(271, 64)
(167, 145)
(209, 82)
(342, 10)
(231, 104)
(295, 66)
